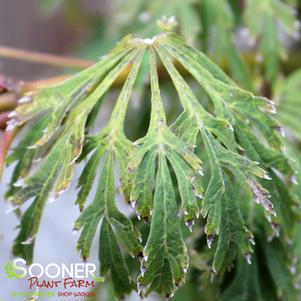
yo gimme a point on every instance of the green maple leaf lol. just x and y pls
(235, 143)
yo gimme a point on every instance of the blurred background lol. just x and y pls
(259, 53)
(46, 26)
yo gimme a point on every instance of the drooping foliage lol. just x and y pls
(218, 167)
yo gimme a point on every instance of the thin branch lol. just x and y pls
(44, 58)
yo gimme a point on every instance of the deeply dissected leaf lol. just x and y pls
(234, 141)
(220, 205)
(165, 257)
(116, 230)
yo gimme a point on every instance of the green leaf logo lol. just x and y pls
(99, 279)
(10, 272)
